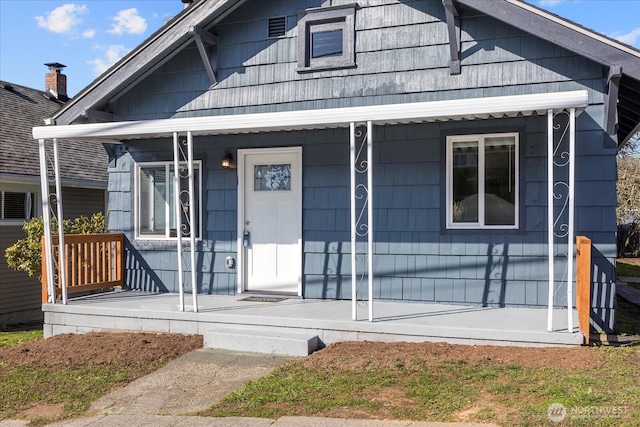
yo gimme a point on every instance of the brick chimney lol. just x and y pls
(56, 82)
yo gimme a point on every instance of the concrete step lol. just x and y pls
(284, 343)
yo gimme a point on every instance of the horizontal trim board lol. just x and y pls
(458, 109)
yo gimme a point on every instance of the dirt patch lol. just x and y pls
(353, 356)
(143, 347)
(485, 402)
(100, 347)
(42, 411)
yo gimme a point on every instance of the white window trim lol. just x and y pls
(168, 209)
(481, 174)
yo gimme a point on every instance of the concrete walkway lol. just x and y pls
(630, 294)
(627, 292)
(194, 382)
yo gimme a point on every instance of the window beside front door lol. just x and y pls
(482, 181)
(155, 201)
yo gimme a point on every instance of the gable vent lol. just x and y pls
(277, 26)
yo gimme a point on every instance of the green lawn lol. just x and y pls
(628, 267)
(15, 338)
(72, 387)
(482, 391)
(43, 393)
(452, 390)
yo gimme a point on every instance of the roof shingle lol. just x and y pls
(22, 108)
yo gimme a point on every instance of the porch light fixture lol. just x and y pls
(227, 159)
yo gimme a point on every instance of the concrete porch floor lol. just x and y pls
(329, 320)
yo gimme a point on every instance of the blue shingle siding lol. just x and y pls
(402, 55)
(413, 259)
(258, 74)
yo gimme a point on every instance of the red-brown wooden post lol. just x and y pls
(583, 285)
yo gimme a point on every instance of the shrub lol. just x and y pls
(26, 254)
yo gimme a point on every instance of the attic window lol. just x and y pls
(326, 43)
(277, 26)
(326, 38)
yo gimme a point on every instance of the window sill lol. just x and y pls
(163, 241)
(483, 228)
(12, 222)
(312, 69)
(482, 231)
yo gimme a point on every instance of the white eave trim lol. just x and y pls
(458, 109)
(582, 30)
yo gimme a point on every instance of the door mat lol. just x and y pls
(262, 299)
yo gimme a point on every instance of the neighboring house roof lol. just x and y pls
(82, 164)
(623, 60)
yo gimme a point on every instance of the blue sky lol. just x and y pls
(89, 36)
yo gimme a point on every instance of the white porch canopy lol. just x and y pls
(548, 104)
(457, 109)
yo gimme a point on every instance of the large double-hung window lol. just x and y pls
(482, 181)
(155, 201)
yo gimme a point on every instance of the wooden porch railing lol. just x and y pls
(583, 285)
(94, 262)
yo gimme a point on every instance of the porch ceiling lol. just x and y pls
(458, 109)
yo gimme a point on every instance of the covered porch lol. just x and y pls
(289, 319)
(333, 321)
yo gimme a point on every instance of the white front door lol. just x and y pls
(270, 226)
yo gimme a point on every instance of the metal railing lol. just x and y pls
(93, 262)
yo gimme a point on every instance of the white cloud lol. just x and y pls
(550, 2)
(62, 19)
(112, 54)
(128, 22)
(88, 34)
(630, 38)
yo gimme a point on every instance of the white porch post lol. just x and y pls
(178, 214)
(370, 215)
(352, 166)
(362, 192)
(570, 237)
(192, 220)
(562, 224)
(550, 219)
(62, 251)
(46, 216)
